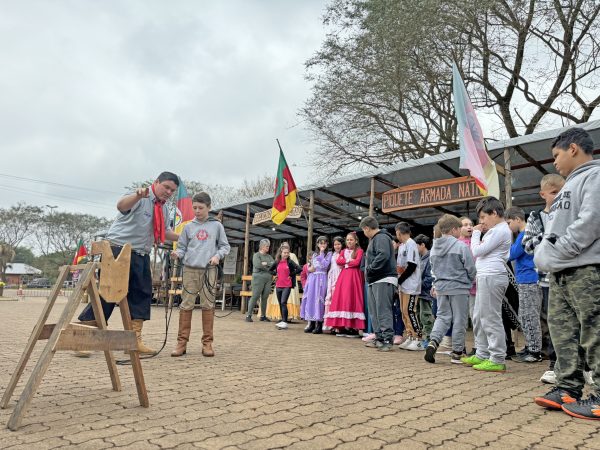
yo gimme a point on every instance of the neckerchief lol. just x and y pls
(159, 220)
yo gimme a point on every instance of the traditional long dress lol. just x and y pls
(332, 276)
(347, 304)
(313, 299)
(293, 304)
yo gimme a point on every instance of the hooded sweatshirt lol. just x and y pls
(573, 223)
(426, 278)
(200, 241)
(380, 261)
(452, 266)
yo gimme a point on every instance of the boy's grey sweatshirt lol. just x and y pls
(452, 266)
(574, 221)
(200, 241)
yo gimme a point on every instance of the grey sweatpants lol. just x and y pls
(452, 311)
(380, 303)
(530, 304)
(490, 339)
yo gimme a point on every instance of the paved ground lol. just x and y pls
(270, 389)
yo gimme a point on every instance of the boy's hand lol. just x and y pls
(142, 192)
(433, 293)
(214, 261)
(400, 270)
(174, 255)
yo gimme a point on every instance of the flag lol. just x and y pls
(81, 253)
(285, 192)
(473, 151)
(184, 212)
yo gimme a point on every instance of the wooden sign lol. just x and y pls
(265, 216)
(435, 193)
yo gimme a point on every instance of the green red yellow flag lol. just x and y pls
(184, 212)
(285, 192)
(81, 252)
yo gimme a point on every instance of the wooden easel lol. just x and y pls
(64, 335)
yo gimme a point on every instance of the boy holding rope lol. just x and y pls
(201, 246)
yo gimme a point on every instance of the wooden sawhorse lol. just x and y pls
(64, 335)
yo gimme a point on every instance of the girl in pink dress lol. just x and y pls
(346, 311)
(332, 275)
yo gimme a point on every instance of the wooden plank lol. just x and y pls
(246, 256)
(95, 339)
(38, 329)
(246, 277)
(46, 356)
(177, 279)
(94, 297)
(136, 364)
(246, 294)
(310, 225)
(114, 273)
(175, 291)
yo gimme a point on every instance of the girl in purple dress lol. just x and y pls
(313, 299)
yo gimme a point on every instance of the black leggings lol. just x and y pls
(282, 297)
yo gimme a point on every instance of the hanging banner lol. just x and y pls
(230, 262)
(265, 216)
(434, 193)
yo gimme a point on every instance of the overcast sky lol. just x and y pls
(98, 94)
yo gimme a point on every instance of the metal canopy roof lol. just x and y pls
(340, 203)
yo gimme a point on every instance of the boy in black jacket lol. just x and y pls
(380, 273)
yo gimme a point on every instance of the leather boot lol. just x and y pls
(318, 328)
(310, 328)
(183, 335)
(85, 353)
(137, 326)
(208, 320)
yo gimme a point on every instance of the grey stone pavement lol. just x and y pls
(272, 389)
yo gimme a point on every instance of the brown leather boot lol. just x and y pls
(208, 320)
(85, 353)
(137, 326)
(183, 335)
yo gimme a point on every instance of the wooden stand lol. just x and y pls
(65, 335)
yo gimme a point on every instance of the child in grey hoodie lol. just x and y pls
(570, 252)
(201, 246)
(453, 270)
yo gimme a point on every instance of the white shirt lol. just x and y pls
(408, 252)
(492, 252)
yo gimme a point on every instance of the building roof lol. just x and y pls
(341, 202)
(22, 269)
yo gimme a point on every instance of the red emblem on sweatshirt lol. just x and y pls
(202, 235)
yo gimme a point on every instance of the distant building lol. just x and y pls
(20, 273)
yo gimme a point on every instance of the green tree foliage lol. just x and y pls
(381, 82)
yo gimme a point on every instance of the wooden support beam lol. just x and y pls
(95, 339)
(311, 218)
(530, 159)
(449, 169)
(372, 197)
(246, 255)
(507, 179)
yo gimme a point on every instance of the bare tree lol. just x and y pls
(382, 79)
(18, 223)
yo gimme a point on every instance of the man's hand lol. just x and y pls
(143, 192)
(214, 261)
(478, 227)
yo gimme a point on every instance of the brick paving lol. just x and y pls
(272, 389)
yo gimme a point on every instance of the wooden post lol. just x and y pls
(246, 256)
(372, 198)
(507, 179)
(311, 218)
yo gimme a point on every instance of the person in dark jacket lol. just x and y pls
(427, 303)
(286, 270)
(381, 276)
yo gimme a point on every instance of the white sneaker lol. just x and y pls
(406, 343)
(282, 325)
(415, 346)
(549, 377)
(446, 342)
(588, 377)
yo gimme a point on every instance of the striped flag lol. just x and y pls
(285, 192)
(183, 210)
(473, 151)
(81, 253)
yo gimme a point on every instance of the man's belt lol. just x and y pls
(137, 252)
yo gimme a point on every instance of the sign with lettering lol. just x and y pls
(265, 216)
(435, 193)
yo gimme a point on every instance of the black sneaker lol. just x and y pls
(584, 409)
(510, 351)
(456, 356)
(249, 319)
(374, 344)
(556, 398)
(527, 357)
(386, 347)
(265, 319)
(430, 351)
(472, 352)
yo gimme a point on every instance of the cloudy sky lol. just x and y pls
(98, 94)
